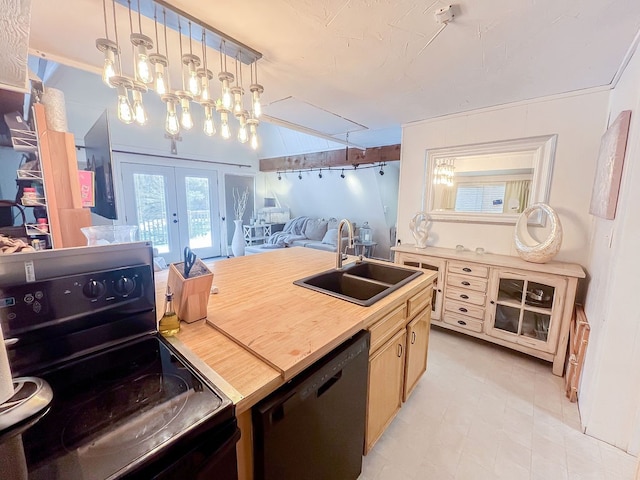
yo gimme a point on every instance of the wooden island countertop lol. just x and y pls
(261, 329)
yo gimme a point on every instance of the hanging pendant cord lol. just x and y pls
(115, 28)
(104, 9)
(139, 18)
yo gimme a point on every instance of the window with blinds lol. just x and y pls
(480, 197)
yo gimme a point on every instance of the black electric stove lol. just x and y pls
(125, 403)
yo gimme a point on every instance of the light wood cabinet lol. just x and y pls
(386, 380)
(397, 360)
(503, 299)
(431, 264)
(417, 347)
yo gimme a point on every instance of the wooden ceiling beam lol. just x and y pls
(331, 158)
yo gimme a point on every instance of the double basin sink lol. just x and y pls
(363, 283)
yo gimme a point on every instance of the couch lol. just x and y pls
(316, 233)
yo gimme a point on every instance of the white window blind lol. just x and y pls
(480, 198)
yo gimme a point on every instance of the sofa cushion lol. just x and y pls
(321, 246)
(331, 237)
(315, 229)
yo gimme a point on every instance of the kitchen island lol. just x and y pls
(262, 330)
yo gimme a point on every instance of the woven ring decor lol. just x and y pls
(549, 247)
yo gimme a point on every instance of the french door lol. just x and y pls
(173, 208)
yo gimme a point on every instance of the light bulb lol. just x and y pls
(209, 126)
(161, 84)
(243, 137)
(110, 50)
(185, 119)
(256, 90)
(254, 140)
(237, 100)
(225, 131)
(227, 97)
(139, 113)
(172, 125)
(205, 96)
(109, 69)
(125, 114)
(143, 66)
(194, 85)
(252, 122)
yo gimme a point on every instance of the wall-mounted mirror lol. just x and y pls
(488, 182)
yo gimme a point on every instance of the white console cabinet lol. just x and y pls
(501, 299)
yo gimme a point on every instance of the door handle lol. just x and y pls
(413, 338)
(400, 350)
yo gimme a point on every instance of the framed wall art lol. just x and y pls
(606, 185)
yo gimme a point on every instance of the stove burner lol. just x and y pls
(30, 396)
(125, 415)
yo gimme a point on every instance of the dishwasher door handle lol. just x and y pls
(328, 384)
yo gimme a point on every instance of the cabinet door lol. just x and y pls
(417, 346)
(433, 264)
(526, 308)
(384, 397)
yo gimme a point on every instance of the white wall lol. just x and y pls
(609, 393)
(578, 120)
(362, 196)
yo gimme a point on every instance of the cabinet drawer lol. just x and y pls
(387, 327)
(419, 302)
(470, 283)
(468, 269)
(463, 322)
(464, 309)
(466, 296)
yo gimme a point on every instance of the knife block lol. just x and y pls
(190, 295)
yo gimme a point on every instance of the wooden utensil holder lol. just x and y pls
(191, 295)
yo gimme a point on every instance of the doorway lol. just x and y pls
(174, 208)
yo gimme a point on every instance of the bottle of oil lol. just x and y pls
(169, 323)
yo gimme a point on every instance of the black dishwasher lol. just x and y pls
(312, 428)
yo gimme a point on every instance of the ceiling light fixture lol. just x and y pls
(109, 48)
(159, 61)
(141, 43)
(342, 173)
(443, 172)
(320, 174)
(299, 175)
(381, 172)
(279, 176)
(152, 71)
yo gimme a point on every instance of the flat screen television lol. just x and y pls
(97, 143)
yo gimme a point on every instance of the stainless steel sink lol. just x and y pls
(362, 283)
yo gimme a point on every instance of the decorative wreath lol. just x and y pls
(548, 248)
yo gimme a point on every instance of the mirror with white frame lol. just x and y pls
(489, 182)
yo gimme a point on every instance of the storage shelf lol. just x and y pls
(37, 229)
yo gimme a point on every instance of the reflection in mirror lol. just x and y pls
(491, 182)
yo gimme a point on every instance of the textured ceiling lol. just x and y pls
(367, 66)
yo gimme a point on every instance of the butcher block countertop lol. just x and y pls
(261, 329)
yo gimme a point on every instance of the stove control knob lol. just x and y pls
(124, 286)
(93, 289)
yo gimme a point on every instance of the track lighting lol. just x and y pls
(381, 172)
(279, 176)
(342, 174)
(320, 174)
(299, 175)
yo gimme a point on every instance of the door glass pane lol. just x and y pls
(198, 212)
(539, 295)
(151, 209)
(510, 290)
(535, 325)
(507, 318)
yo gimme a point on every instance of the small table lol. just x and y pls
(365, 249)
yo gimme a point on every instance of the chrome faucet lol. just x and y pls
(339, 254)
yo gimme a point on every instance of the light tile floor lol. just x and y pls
(486, 412)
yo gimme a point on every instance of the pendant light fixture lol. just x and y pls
(443, 172)
(190, 64)
(209, 126)
(253, 134)
(159, 61)
(139, 113)
(225, 80)
(204, 74)
(123, 85)
(256, 90)
(141, 43)
(171, 124)
(243, 134)
(185, 97)
(225, 130)
(237, 92)
(109, 48)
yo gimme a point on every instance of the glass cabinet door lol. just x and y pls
(524, 308)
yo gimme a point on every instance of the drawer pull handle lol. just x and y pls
(413, 338)
(466, 297)
(462, 322)
(465, 283)
(400, 350)
(466, 269)
(463, 310)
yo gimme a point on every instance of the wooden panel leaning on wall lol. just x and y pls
(60, 172)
